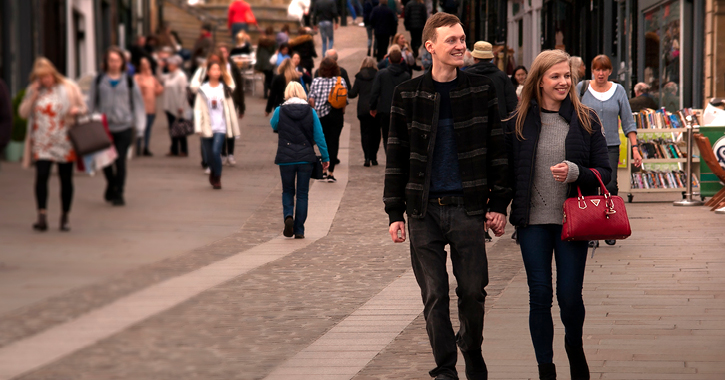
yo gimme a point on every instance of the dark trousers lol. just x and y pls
(303, 173)
(42, 175)
(538, 243)
(116, 173)
(382, 41)
(268, 75)
(612, 186)
(384, 125)
(332, 127)
(213, 150)
(416, 39)
(369, 136)
(441, 226)
(228, 147)
(178, 144)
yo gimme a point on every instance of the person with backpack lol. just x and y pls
(114, 94)
(215, 117)
(369, 128)
(299, 131)
(328, 96)
(381, 98)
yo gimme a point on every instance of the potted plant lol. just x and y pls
(14, 150)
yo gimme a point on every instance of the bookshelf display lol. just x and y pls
(662, 138)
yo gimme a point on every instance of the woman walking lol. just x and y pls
(114, 94)
(265, 49)
(610, 102)
(50, 105)
(286, 74)
(518, 78)
(299, 130)
(176, 105)
(369, 129)
(554, 142)
(237, 87)
(150, 90)
(332, 119)
(215, 118)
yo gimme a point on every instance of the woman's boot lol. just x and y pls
(217, 185)
(64, 223)
(577, 362)
(547, 371)
(42, 223)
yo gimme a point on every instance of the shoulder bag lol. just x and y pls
(89, 137)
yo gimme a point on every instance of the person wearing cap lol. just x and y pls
(453, 182)
(483, 65)
(642, 99)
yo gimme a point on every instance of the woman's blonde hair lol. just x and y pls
(287, 69)
(369, 62)
(41, 67)
(395, 41)
(294, 90)
(532, 90)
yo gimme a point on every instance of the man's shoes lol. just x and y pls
(110, 194)
(230, 160)
(547, 371)
(331, 178)
(374, 162)
(445, 377)
(367, 163)
(288, 226)
(118, 201)
(299, 236)
(147, 153)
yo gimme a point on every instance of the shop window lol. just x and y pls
(662, 54)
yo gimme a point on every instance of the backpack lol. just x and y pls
(129, 82)
(585, 86)
(338, 95)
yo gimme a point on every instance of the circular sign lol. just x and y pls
(719, 149)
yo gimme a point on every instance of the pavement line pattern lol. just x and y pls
(50, 345)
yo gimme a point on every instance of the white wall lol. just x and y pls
(87, 61)
(531, 16)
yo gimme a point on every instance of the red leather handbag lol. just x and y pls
(596, 217)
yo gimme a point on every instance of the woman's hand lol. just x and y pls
(325, 165)
(560, 171)
(636, 157)
(73, 111)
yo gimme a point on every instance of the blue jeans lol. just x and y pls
(303, 172)
(441, 226)
(326, 34)
(213, 151)
(146, 134)
(538, 243)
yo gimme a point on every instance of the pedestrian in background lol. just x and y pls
(202, 47)
(332, 53)
(282, 53)
(415, 16)
(385, 24)
(150, 90)
(305, 76)
(283, 35)
(642, 99)
(518, 78)
(237, 87)
(325, 19)
(51, 105)
(304, 45)
(286, 74)
(176, 105)
(368, 7)
(407, 52)
(483, 65)
(239, 17)
(114, 94)
(369, 128)
(266, 46)
(332, 119)
(243, 45)
(548, 165)
(299, 130)
(215, 118)
(381, 97)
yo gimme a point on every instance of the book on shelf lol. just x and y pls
(663, 119)
(675, 179)
(660, 147)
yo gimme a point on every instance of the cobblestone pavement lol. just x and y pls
(655, 302)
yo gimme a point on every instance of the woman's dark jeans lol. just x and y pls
(303, 173)
(612, 186)
(213, 150)
(116, 173)
(178, 144)
(538, 244)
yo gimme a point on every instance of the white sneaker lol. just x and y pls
(224, 160)
(207, 171)
(231, 161)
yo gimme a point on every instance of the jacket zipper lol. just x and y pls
(431, 144)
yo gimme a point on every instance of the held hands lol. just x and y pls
(560, 172)
(397, 232)
(373, 113)
(497, 222)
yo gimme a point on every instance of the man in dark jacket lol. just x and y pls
(332, 53)
(505, 92)
(642, 99)
(385, 24)
(325, 19)
(453, 183)
(381, 97)
(368, 7)
(415, 16)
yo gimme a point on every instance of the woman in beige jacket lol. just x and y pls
(51, 104)
(215, 118)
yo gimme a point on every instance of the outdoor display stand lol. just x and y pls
(709, 183)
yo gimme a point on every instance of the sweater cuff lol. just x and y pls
(573, 174)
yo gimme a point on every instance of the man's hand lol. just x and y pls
(497, 222)
(325, 165)
(395, 229)
(373, 113)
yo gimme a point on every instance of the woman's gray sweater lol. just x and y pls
(115, 103)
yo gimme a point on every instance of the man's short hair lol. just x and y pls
(395, 56)
(641, 88)
(436, 21)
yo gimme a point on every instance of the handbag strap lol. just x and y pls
(602, 186)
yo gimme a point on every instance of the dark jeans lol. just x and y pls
(228, 147)
(369, 136)
(441, 226)
(42, 174)
(236, 28)
(144, 145)
(416, 39)
(268, 75)
(612, 186)
(302, 172)
(384, 125)
(213, 150)
(538, 244)
(327, 35)
(116, 173)
(382, 41)
(178, 144)
(332, 127)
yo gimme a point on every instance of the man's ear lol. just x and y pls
(429, 47)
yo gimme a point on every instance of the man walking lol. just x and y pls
(384, 22)
(642, 99)
(324, 16)
(239, 17)
(381, 96)
(447, 169)
(483, 65)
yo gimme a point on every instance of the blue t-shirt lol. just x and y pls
(445, 179)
